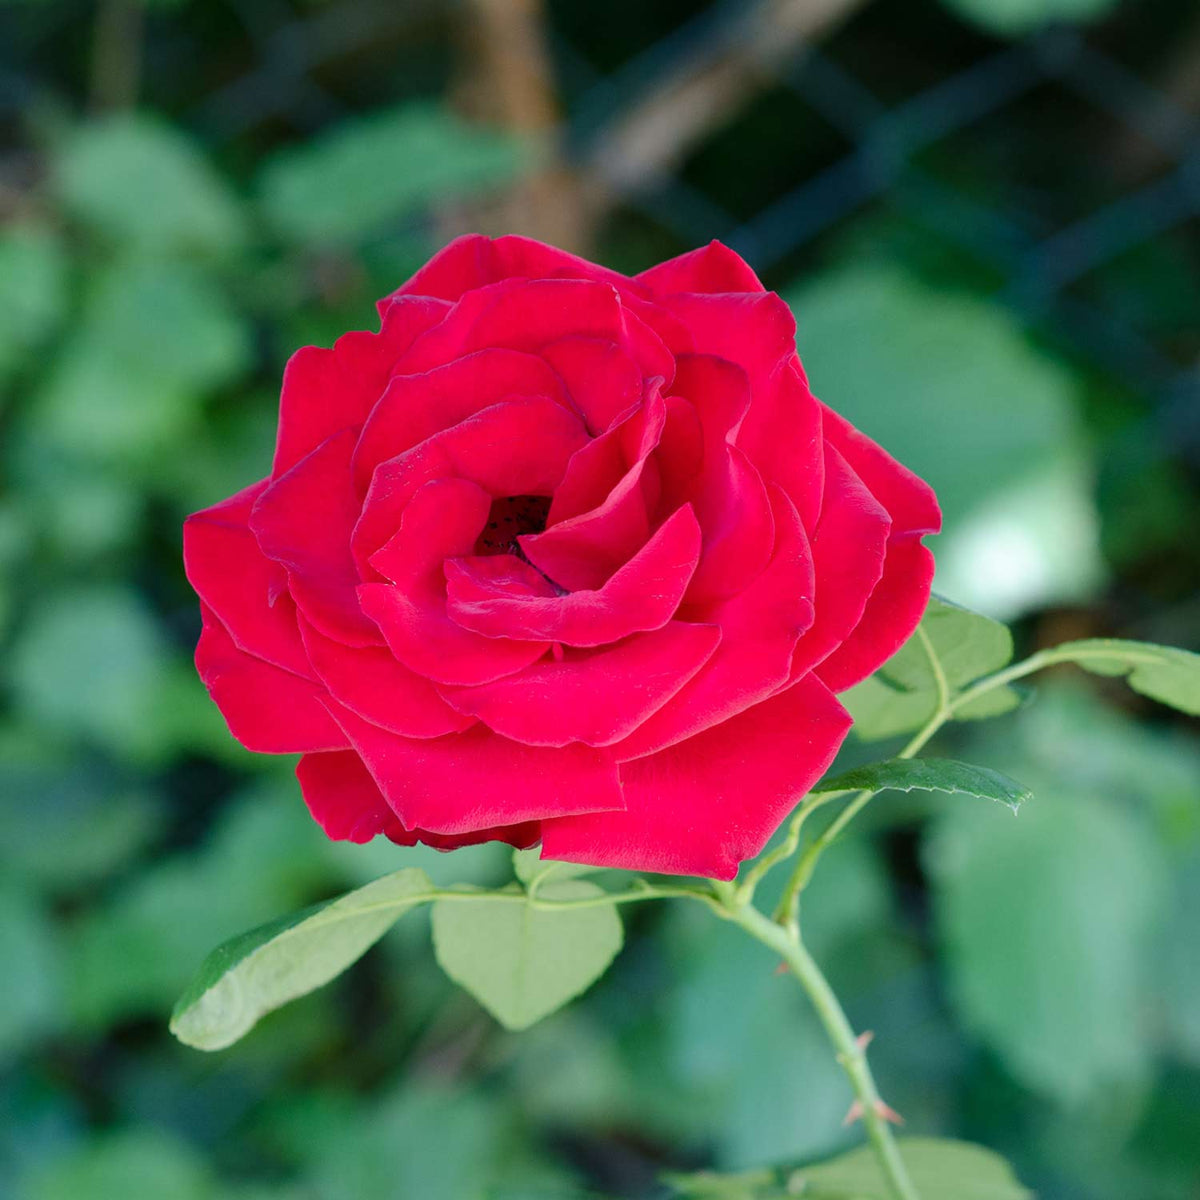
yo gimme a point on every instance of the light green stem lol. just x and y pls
(786, 913)
(850, 1051)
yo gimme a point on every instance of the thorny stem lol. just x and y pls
(851, 1051)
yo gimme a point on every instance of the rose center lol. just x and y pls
(511, 517)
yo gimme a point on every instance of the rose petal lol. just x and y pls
(759, 631)
(892, 614)
(267, 709)
(849, 549)
(325, 391)
(728, 494)
(416, 407)
(711, 268)
(372, 684)
(304, 521)
(709, 803)
(582, 547)
(246, 590)
(603, 381)
(474, 261)
(346, 802)
(782, 436)
(477, 779)
(643, 595)
(442, 521)
(516, 448)
(596, 696)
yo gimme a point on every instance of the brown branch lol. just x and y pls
(651, 137)
(511, 84)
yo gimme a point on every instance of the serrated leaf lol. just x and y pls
(902, 695)
(1046, 923)
(528, 865)
(940, 1170)
(930, 775)
(265, 968)
(521, 962)
(332, 189)
(1164, 673)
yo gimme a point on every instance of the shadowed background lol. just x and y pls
(986, 216)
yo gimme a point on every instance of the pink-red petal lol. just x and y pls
(478, 780)
(247, 590)
(371, 683)
(760, 628)
(711, 268)
(416, 407)
(644, 594)
(707, 804)
(595, 696)
(442, 521)
(325, 391)
(267, 709)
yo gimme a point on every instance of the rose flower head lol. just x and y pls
(563, 556)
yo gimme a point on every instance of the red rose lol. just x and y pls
(560, 555)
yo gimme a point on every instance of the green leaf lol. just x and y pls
(902, 695)
(265, 968)
(1015, 17)
(31, 999)
(33, 294)
(940, 1170)
(521, 962)
(142, 182)
(90, 662)
(1047, 923)
(332, 189)
(134, 1162)
(954, 387)
(930, 775)
(528, 865)
(153, 340)
(1164, 673)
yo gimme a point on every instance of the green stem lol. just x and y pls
(850, 1051)
(786, 913)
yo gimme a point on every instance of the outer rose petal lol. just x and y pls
(345, 801)
(477, 779)
(247, 590)
(898, 602)
(267, 709)
(849, 550)
(892, 614)
(596, 696)
(473, 261)
(711, 268)
(707, 804)
(325, 391)
(304, 521)
(372, 684)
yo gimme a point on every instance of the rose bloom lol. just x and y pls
(560, 555)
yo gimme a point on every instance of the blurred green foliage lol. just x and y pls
(1034, 984)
